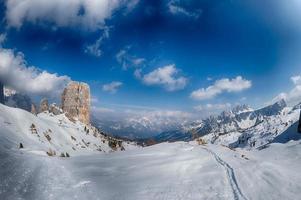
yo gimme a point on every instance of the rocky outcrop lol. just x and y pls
(299, 126)
(17, 100)
(44, 106)
(54, 109)
(1, 93)
(33, 109)
(76, 101)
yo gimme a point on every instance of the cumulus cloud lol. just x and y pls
(223, 85)
(89, 14)
(166, 76)
(15, 74)
(112, 87)
(126, 60)
(175, 8)
(95, 48)
(292, 97)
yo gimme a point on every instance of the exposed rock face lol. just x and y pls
(76, 101)
(33, 109)
(1, 93)
(55, 109)
(17, 100)
(299, 127)
(44, 106)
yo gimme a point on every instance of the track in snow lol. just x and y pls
(237, 193)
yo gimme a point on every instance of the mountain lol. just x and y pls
(139, 126)
(240, 126)
(17, 100)
(51, 134)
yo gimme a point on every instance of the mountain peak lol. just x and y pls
(281, 103)
(241, 109)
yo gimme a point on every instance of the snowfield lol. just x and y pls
(173, 171)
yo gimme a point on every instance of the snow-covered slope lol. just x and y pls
(53, 133)
(178, 170)
(165, 171)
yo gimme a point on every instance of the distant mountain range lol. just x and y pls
(241, 126)
(137, 127)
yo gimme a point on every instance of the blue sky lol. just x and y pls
(157, 54)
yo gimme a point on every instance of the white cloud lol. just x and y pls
(296, 80)
(292, 97)
(112, 87)
(175, 8)
(126, 60)
(15, 74)
(213, 107)
(89, 14)
(94, 49)
(223, 85)
(166, 77)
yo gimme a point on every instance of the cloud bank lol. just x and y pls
(223, 85)
(88, 14)
(15, 74)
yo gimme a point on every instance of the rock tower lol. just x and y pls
(44, 106)
(1, 93)
(76, 101)
(33, 109)
(299, 127)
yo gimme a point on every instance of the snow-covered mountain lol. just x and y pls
(240, 126)
(53, 134)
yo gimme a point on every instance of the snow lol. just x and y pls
(55, 132)
(261, 133)
(165, 171)
(174, 171)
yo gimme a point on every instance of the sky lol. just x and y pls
(148, 59)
